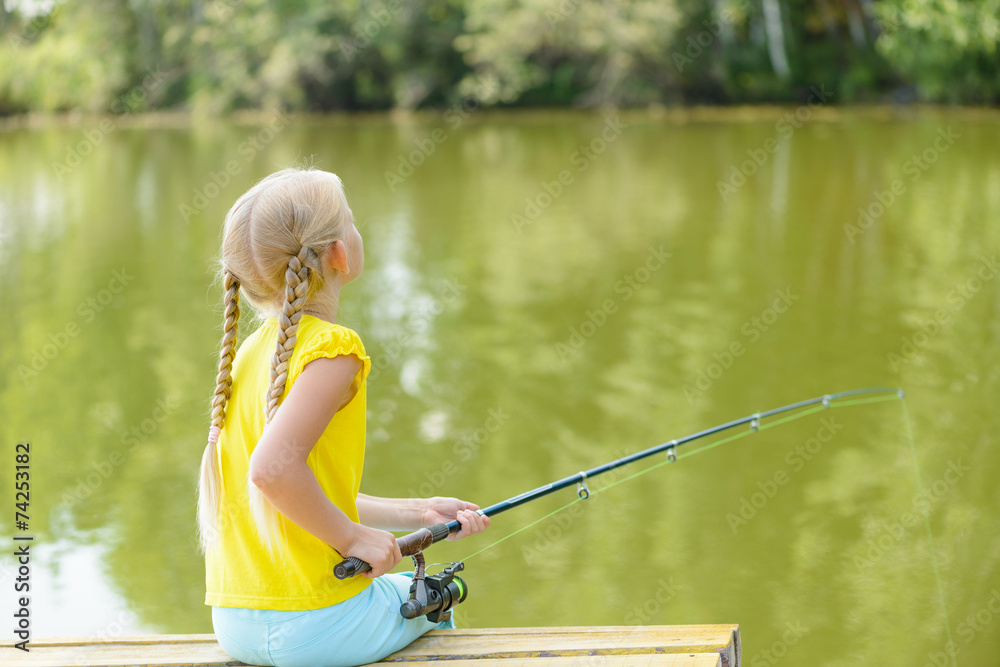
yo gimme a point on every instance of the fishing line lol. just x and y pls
(930, 537)
(536, 521)
(837, 403)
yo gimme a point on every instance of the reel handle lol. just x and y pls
(410, 544)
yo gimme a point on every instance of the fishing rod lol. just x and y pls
(414, 543)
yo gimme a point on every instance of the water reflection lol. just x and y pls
(464, 309)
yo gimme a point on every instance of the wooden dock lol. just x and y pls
(620, 646)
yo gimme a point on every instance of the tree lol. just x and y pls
(947, 48)
(567, 51)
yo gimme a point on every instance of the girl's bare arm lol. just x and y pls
(278, 464)
(413, 513)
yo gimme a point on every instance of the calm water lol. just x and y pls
(685, 272)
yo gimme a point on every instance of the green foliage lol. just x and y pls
(723, 53)
(318, 56)
(565, 51)
(221, 55)
(77, 57)
(948, 48)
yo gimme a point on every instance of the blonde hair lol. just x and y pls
(273, 239)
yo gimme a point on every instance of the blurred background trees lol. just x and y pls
(221, 55)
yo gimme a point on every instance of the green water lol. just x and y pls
(518, 341)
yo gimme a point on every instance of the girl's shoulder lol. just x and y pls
(311, 327)
(318, 338)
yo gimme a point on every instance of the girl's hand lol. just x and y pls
(442, 510)
(376, 547)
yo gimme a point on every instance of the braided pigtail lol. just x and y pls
(209, 485)
(296, 289)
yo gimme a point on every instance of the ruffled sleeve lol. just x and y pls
(332, 341)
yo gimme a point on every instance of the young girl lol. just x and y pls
(278, 501)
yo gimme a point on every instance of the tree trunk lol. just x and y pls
(775, 38)
(856, 25)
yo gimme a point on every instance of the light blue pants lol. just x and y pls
(362, 629)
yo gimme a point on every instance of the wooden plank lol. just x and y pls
(125, 639)
(132, 652)
(629, 646)
(633, 660)
(608, 640)
(220, 659)
(576, 629)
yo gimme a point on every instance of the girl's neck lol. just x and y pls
(324, 306)
(321, 313)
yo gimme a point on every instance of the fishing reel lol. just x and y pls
(434, 595)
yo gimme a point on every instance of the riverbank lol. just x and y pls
(817, 111)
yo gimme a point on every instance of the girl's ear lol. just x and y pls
(335, 257)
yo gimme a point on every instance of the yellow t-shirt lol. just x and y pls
(239, 570)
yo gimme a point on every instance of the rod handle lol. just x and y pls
(409, 545)
(350, 567)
